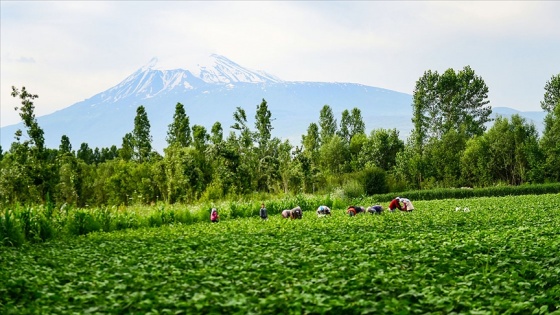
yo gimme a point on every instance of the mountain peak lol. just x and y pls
(158, 76)
(214, 69)
(150, 65)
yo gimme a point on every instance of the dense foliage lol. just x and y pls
(494, 255)
(450, 147)
(32, 224)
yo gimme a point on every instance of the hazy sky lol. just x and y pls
(68, 51)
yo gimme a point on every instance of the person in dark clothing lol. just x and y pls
(263, 213)
(377, 209)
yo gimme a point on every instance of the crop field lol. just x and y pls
(472, 256)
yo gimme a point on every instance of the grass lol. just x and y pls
(500, 257)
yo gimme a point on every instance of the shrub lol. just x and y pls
(83, 222)
(10, 231)
(353, 189)
(375, 181)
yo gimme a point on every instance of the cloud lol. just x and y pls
(67, 51)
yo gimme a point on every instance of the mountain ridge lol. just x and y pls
(210, 92)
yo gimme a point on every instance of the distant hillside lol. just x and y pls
(211, 92)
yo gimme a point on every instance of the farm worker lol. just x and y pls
(395, 204)
(353, 210)
(377, 209)
(263, 213)
(323, 211)
(214, 217)
(295, 213)
(407, 205)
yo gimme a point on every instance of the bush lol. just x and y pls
(126, 220)
(462, 193)
(34, 224)
(11, 233)
(353, 189)
(375, 181)
(83, 222)
(106, 218)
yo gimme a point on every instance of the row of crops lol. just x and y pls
(34, 224)
(501, 256)
(21, 224)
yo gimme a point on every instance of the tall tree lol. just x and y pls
(552, 94)
(447, 103)
(37, 162)
(35, 133)
(550, 141)
(65, 145)
(243, 147)
(240, 124)
(333, 155)
(127, 148)
(179, 132)
(356, 123)
(442, 158)
(550, 144)
(311, 143)
(511, 145)
(200, 138)
(344, 129)
(382, 148)
(263, 126)
(141, 135)
(327, 122)
(217, 133)
(85, 153)
(474, 162)
(452, 100)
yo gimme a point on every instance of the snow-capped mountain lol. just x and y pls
(151, 80)
(210, 90)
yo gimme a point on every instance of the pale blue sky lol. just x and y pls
(68, 51)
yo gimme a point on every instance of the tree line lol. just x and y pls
(448, 147)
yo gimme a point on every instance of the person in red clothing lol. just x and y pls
(353, 210)
(214, 217)
(395, 204)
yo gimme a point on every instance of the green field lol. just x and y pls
(501, 256)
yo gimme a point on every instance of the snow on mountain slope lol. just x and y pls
(153, 79)
(219, 69)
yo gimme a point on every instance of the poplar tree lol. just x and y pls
(357, 125)
(179, 132)
(550, 142)
(217, 133)
(344, 130)
(27, 114)
(263, 125)
(327, 122)
(142, 140)
(65, 145)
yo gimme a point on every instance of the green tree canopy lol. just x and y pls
(263, 125)
(552, 94)
(27, 114)
(142, 139)
(452, 100)
(179, 132)
(327, 122)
